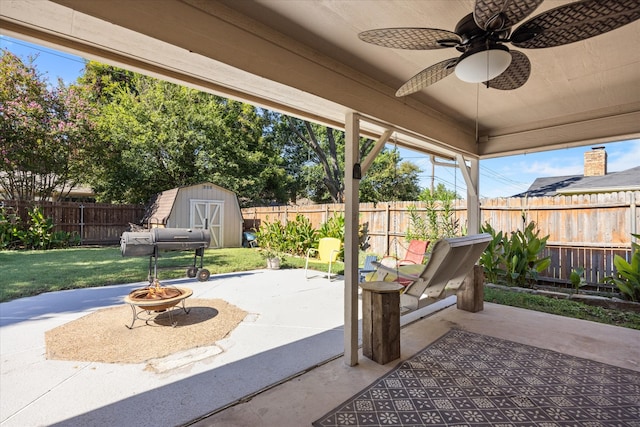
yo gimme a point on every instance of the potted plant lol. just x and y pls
(272, 257)
(269, 237)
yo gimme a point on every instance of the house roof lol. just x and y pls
(626, 180)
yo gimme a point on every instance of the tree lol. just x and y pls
(45, 137)
(439, 193)
(389, 178)
(158, 135)
(327, 146)
(295, 157)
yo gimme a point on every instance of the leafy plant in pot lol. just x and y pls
(272, 257)
(270, 239)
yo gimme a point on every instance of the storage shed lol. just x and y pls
(204, 205)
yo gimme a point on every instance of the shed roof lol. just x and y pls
(159, 207)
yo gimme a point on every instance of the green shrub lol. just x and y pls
(270, 237)
(491, 258)
(577, 278)
(334, 227)
(521, 256)
(294, 238)
(420, 226)
(514, 260)
(299, 236)
(437, 222)
(39, 232)
(11, 233)
(627, 276)
(36, 234)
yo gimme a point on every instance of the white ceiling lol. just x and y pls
(304, 58)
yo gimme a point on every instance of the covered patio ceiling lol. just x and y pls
(304, 58)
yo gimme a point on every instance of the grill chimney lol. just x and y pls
(595, 162)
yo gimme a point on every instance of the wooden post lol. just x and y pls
(381, 321)
(470, 296)
(351, 216)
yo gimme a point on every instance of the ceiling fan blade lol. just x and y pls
(515, 75)
(574, 22)
(411, 38)
(495, 15)
(428, 76)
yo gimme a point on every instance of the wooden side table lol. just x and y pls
(381, 321)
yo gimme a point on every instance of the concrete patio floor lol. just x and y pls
(303, 400)
(292, 325)
(293, 329)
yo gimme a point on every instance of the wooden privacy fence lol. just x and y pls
(596, 261)
(584, 230)
(95, 223)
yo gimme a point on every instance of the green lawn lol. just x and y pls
(27, 273)
(563, 307)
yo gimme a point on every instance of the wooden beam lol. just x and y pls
(617, 126)
(375, 150)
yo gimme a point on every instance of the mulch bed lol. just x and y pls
(103, 336)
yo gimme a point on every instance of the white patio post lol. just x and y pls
(471, 176)
(351, 208)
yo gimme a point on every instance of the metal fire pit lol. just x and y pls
(156, 299)
(150, 243)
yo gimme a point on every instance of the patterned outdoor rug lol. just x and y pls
(469, 379)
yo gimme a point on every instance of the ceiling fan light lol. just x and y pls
(483, 65)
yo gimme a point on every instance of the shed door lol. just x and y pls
(209, 213)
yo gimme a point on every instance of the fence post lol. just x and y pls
(632, 214)
(386, 228)
(81, 223)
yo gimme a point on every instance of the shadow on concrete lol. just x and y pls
(189, 399)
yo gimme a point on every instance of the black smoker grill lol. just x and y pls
(150, 243)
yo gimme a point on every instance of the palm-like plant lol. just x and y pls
(514, 260)
(627, 275)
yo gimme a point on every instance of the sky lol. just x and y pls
(499, 177)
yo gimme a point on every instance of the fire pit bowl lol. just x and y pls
(156, 298)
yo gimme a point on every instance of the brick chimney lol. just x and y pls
(595, 162)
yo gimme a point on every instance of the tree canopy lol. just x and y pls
(46, 134)
(441, 192)
(390, 179)
(129, 136)
(158, 135)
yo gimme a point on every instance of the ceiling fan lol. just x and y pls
(481, 37)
